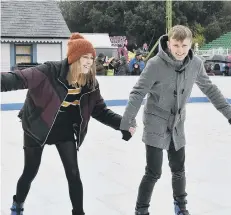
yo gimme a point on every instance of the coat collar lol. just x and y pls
(64, 71)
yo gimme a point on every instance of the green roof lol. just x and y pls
(223, 41)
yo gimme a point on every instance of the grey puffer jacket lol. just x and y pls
(168, 88)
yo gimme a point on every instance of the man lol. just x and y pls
(136, 65)
(100, 69)
(168, 79)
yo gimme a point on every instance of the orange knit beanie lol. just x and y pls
(78, 46)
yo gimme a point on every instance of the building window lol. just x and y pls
(23, 53)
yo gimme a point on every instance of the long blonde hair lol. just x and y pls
(78, 79)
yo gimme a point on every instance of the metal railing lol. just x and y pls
(210, 52)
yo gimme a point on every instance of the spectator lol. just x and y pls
(137, 64)
(123, 51)
(208, 68)
(100, 60)
(145, 47)
(226, 72)
(123, 67)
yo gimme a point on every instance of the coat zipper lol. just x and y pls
(55, 115)
(32, 136)
(78, 142)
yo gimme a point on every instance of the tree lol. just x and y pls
(198, 36)
(212, 31)
(225, 17)
(144, 21)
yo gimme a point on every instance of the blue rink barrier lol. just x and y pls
(110, 103)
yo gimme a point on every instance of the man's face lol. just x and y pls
(179, 49)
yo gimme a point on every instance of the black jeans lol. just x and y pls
(154, 158)
(32, 159)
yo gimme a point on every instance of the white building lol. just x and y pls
(102, 43)
(32, 32)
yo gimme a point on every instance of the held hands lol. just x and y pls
(132, 130)
(128, 134)
(128, 128)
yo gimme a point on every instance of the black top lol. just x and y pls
(69, 113)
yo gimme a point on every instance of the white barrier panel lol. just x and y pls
(119, 87)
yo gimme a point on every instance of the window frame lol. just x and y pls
(20, 44)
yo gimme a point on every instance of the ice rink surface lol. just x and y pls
(111, 169)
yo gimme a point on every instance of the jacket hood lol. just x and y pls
(163, 54)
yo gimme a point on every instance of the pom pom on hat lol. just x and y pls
(78, 46)
(76, 36)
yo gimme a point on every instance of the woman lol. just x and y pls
(61, 98)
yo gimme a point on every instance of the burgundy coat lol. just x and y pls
(47, 90)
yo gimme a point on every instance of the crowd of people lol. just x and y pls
(120, 66)
(134, 63)
(213, 69)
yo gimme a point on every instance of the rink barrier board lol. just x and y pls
(109, 103)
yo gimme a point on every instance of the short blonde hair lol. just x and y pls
(77, 79)
(180, 33)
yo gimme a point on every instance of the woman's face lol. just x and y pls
(86, 62)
